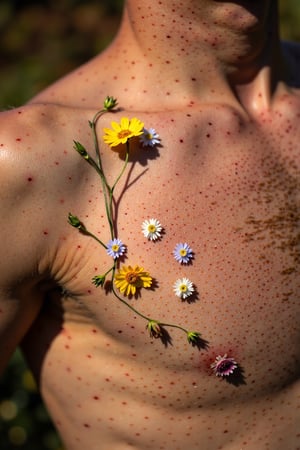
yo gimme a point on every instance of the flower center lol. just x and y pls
(131, 277)
(151, 228)
(123, 134)
(182, 252)
(115, 248)
(183, 288)
(224, 365)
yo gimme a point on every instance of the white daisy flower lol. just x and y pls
(152, 229)
(149, 138)
(183, 288)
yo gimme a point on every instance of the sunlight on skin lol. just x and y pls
(224, 184)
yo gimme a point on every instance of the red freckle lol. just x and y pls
(62, 201)
(181, 140)
(78, 246)
(56, 163)
(96, 397)
(208, 135)
(86, 425)
(18, 139)
(89, 356)
(29, 179)
(45, 232)
(94, 330)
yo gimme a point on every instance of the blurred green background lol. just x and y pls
(40, 42)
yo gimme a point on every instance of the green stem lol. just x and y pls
(88, 233)
(123, 169)
(95, 138)
(107, 193)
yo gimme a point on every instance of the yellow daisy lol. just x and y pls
(129, 279)
(121, 132)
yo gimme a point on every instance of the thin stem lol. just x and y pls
(123, 169)
(129, 306)
(105, 188)
(88, 233)
(95, 138)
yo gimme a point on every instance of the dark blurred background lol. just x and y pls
(41, 40)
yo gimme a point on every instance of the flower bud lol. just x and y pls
(98, 280)
(75, 222)
(193, 337)
(154, 329)
(81, 149)
(110, 103)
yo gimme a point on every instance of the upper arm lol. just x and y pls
(20, 300)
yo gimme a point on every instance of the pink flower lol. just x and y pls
(223, 366)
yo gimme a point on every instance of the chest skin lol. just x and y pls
(230, 189)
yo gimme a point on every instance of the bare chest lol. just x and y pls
(230, 191)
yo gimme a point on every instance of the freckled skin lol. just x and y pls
(225, 180)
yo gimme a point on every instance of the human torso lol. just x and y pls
(229, 187)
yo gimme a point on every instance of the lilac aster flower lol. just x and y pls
(115, 248)
(149, 138)
(183, 253)
(223, 366)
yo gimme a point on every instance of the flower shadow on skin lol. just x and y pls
(200, 343)
(127, 184)
(237, 378)
(164, 337)
(138, 153)
(193, 298)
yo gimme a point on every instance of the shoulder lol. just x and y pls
(36, 138)
(38, 168)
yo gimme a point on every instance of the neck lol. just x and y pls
(204, 48)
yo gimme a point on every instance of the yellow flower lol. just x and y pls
(129, 279)
(121, 132)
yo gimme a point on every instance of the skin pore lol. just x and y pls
(213, 80)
